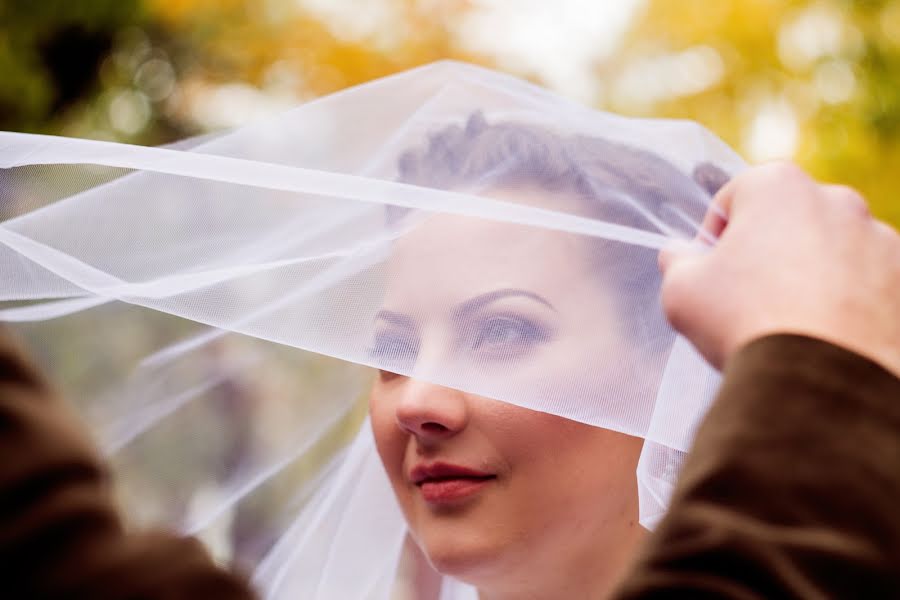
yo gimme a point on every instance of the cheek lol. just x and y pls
(573, 465)
(389, 438)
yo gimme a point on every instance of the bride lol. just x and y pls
(488, 248)
(517, 502)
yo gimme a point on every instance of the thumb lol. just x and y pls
(685, 296)
(680, 251)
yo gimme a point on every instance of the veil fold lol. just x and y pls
(211, 306)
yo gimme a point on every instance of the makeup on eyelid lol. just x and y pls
(497, 335)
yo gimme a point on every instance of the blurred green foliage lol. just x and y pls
(50, 53)
(140, 70)
(831, 65)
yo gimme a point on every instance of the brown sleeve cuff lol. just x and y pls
(805, 433)
(792, 488)
(827, 375)
(61, 535)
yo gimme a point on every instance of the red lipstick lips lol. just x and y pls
(443, 483)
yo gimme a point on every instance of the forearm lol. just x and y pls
(60, 532)
(793, 486)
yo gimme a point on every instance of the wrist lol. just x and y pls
(886, 356)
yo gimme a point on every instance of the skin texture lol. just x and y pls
(792, 256)
(560, 523)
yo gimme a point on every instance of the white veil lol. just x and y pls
(210, 306)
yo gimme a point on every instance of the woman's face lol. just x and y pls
(491, 490)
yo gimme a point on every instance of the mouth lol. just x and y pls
(442, 483)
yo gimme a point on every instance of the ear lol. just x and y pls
(710, 177)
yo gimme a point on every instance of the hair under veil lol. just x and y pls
(227, 291)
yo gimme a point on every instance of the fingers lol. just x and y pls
(687, 302)
(790, 254)
(848, 198)
(770, 198)
(769, 186)
(764, 187)
(714, 180)
(680, 250)
(717, 215)
(765, 181)
(886, 230)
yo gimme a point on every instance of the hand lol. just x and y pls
(792, 256)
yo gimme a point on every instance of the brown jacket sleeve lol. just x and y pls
(792, 489)
(60, 533)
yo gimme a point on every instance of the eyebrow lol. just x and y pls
(395, 318)
(465, 308)
(478, 302)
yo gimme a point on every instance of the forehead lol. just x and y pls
(447, 258)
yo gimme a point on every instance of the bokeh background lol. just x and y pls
(815, 81)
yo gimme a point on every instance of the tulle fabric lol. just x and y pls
(213, 306)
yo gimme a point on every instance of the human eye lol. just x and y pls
(394, 351)
(507, 335)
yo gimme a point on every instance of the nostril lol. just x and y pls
(433, 427)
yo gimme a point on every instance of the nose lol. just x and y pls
(431, 412)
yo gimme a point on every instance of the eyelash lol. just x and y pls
(394, 351)
(398, 352)
(526, 334)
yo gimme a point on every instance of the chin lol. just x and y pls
(465, 558)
